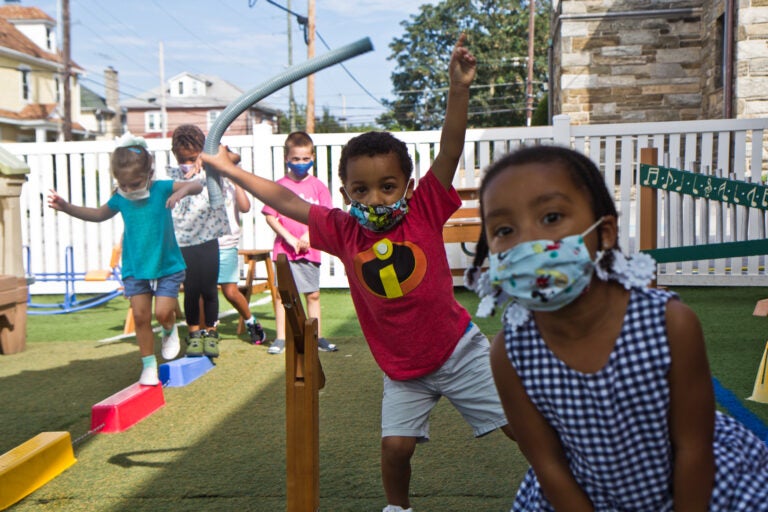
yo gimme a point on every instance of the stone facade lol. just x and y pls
(618, 61)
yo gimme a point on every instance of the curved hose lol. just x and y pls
(260, 92)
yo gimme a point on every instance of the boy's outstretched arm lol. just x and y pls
(268, 192)
(461, 71)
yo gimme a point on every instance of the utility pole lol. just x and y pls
(291, 100)
(311, 78)
(529, 86)
(66, 126)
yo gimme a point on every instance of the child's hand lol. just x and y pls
(55, 201)
(174, 199)
(195, 169)
(463, 64)
(221, 161)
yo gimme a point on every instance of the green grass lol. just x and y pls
(219, 443)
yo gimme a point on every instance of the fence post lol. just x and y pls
(561, 133)
(648, 228)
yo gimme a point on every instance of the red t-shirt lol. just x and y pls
(400, 281)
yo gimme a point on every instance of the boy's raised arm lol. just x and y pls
(461, 71)
(268, 192)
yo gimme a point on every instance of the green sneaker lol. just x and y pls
(195, 344)
(211, 343)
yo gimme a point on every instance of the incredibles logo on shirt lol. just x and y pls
(391, 270)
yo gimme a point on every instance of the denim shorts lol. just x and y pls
(166, 286)
(465, 379)
(229, 270)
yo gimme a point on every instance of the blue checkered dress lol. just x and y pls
(613, 424)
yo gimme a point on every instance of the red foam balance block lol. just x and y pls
(126, 408)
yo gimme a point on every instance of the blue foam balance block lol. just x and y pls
(180, 372)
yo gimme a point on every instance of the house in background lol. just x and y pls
(192, 99)
(31, 72)
(628, 61)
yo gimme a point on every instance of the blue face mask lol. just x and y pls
(379, 218)
(300, 170)
(544, 275)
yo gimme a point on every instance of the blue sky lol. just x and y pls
(241, 44)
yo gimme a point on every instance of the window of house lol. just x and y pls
(153, 121)
(212, 115)
(26, 92)
(49, 38)
(57, 87)
(181, 88)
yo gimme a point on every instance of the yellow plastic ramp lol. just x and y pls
(32, 464)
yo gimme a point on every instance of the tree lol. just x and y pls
(326, 123)
(497, 34)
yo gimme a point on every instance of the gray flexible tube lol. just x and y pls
(260, 92)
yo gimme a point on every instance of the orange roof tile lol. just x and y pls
(19, 12)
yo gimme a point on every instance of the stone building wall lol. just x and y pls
(628, 60)
(657, 60)
(752, 59)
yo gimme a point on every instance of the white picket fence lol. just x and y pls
(79, 171)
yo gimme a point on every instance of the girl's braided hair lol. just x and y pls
(582, 171)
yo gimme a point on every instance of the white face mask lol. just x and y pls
(138, 194)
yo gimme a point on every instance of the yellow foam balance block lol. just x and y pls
(32, 464)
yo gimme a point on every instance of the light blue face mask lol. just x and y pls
(300, 170)
(544, 275)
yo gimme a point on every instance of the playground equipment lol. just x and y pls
(32, 464)
(13, 287)
(735, 192)
(125, 408)
(69, 277)
(260, 92)
(304, 378)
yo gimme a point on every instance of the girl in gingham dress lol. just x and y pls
(605, 382)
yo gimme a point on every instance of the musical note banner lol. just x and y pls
(701, 185)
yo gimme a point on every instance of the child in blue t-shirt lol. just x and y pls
(152, 263)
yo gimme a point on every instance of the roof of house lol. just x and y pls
(13, 39)
(219, 94)
(89, 100)
(37, 112)
(19, 12)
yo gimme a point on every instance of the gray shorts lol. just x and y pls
(465, 379)
(306, 274)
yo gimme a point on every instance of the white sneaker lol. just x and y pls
(396, 508)
(171, 345)
(149, 377)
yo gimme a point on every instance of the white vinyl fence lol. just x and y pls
(79, 171)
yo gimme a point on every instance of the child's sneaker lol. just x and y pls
(324, 346)
(257, 334)
(276, 347)
(170, 344)
(195, 344)
(149, 377)
(211, 343)
(395, 508)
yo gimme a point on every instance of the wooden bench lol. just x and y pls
(464, 225)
